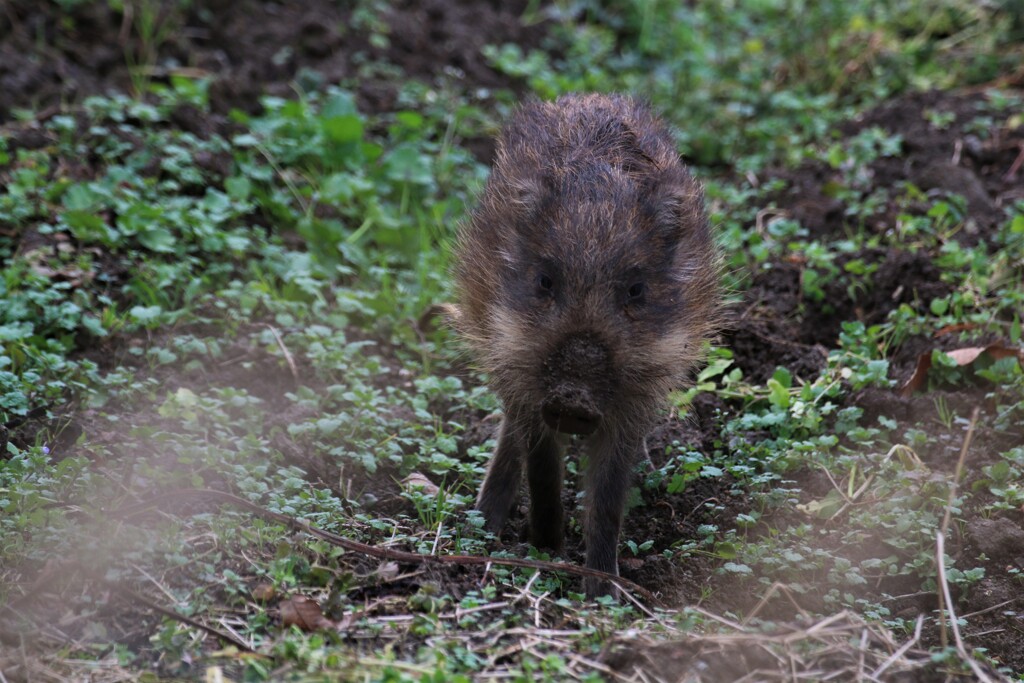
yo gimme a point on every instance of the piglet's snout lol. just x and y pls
(576, 371)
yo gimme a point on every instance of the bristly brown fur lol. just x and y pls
(587, 283)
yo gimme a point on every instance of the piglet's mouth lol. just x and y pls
(571, 409)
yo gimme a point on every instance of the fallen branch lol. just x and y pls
(127, 594)
(16, 615)
(371, 550)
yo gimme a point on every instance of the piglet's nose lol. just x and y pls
(576, 370)
(570, 408)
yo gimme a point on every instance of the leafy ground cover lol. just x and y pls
(223, 227)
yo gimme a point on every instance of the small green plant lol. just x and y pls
(638, 548)
(433, 508)
(1002, 479)
(151, 24)
(945, 414)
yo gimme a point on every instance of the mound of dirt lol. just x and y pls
(952, 144)
(50, 55)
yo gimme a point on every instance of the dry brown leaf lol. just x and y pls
(387, 571)
(305, 613)
(420, 481)
(957, 327)
(631, 563)
(964, 356)
(264, 592)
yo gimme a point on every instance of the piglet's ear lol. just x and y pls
(675, 203)
(524, 193)
(517, 193)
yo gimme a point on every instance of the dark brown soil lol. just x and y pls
(952, 143)
(251, 48)
(780, 324)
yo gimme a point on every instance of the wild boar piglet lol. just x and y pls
(587, 283)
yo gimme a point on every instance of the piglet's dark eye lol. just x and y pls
(545, 283)
(636, 290)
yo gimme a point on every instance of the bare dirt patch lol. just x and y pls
(952, 144)
(250, 49)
